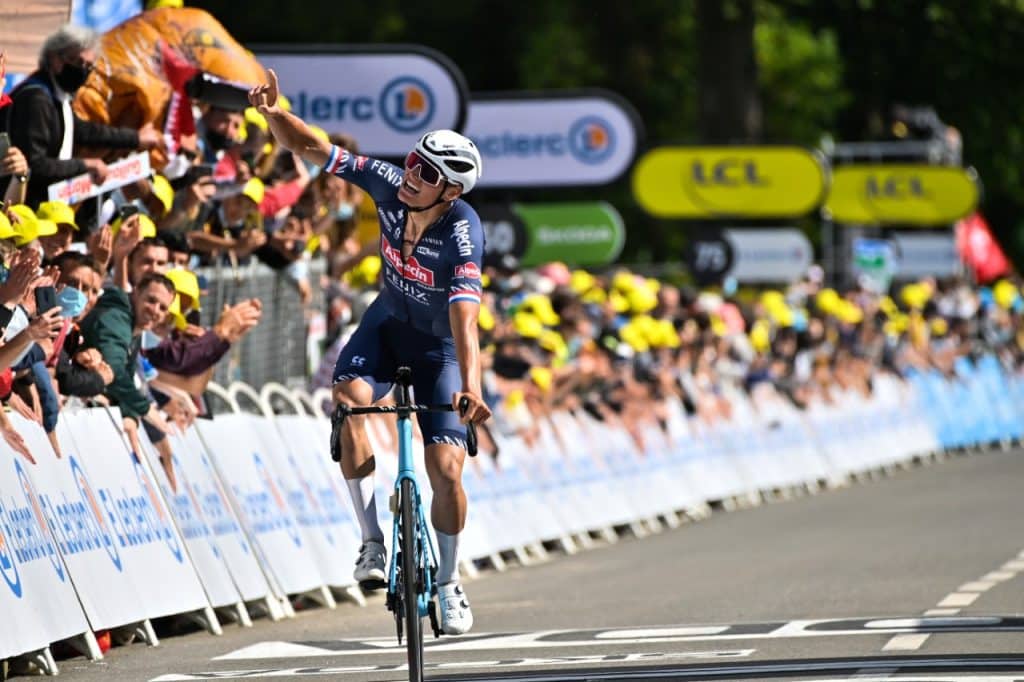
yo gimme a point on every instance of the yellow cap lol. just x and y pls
(485, 318)
(185, 283)
(581, 281)
(527, 325)
(174, 310)
(156, 4)
(254, 190)
(828, 300)
(57, 212)
(540, 306)
(29, 227)
(284, 102)
(257, 119)
(6, 230)
(145, 222)
(760, 336)
(320, 133)
(1005, 293)
(939, 327)
(542, 377)
(365, 273)
(164, 192)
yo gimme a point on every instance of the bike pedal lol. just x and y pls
(372, 585)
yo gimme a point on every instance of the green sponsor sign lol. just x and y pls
(577, 233)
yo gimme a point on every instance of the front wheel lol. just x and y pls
(412, 582)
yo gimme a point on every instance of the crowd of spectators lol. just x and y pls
(100, 301)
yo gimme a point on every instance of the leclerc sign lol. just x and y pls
(713, 182)
(575, 233)
(557, 139)
(385, 97)
(901, 194)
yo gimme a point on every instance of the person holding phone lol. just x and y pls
(13, 165)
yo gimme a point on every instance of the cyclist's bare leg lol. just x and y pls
(357, 462)
(448, 509)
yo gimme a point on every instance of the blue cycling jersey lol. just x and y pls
(445, 265)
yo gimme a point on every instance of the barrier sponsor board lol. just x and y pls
(709, 256)
(132, 168)
(722, 182)
(901, 194)
(146, 543)
(576, 233)
(36, 595)
(769, 254)
(258, 496)
(386, 97)
(196, 532)
(925, 255)
(553, 139)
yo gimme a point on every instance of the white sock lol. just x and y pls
(448, 548)
(365, 503)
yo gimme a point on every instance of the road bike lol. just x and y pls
(411, 571)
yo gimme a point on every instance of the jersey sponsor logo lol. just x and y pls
(387, 171)
(410, 291)
(591, 139)
(407, 104)
(449, 440)
(468, 270)
(433, 241)
(411, 268)
(357, 361)
(431, 253)
(360, 162)
(463, 242)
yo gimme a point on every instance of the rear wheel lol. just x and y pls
(412, 583)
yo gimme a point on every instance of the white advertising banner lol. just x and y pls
(925, 255)
(198, 479)
(195, 530)
(325, 521)
(386, 98)
(261, 503)
(132, 168)
(37, 599)
(769, 254)
(542, 141)
(152, 552)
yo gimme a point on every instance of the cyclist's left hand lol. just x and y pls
(477, 412)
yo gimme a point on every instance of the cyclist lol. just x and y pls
(431, 249)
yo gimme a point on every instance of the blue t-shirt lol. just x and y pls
(445, 265)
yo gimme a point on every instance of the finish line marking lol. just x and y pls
(645, 658)
(917, 626)
(951, 604)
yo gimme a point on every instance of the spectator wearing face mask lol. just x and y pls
(43, 125)
(80, 372)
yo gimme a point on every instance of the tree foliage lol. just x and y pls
(697, 70)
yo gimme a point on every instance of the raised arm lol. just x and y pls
(289, 130)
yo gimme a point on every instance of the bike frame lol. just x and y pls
(407, 471)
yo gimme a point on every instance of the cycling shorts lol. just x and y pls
(381, 344)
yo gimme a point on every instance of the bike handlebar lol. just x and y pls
(342, 411)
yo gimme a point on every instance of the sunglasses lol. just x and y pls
(428, 172)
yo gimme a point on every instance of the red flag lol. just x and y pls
(4, 98)
(979, 249)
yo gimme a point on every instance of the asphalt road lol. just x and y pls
(913, 576)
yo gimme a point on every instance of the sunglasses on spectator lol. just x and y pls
(428, 172)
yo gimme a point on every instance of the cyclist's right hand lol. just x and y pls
(476, 412)
(265, 97)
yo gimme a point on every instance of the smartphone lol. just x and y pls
(127, 210)
(5, 144)
(46, 299)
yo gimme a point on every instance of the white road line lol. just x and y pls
(999, 576)
(905, 643)
(663, 632)
(941, 612)
(959, 599)
(977, 586)
(1014, 565)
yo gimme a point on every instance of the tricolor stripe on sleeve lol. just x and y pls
(338, 156)
(464, 295)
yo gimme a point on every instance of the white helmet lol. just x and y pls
(456, 155)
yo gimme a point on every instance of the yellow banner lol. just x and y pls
(901, 194)
(712, 182)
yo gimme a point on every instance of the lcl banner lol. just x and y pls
(386, 97)
(713, 182)
(901, 194)
(575, 233)
(553, 139)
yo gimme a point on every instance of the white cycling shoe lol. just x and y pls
(370, 566)
(456, 616)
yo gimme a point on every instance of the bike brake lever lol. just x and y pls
(337, 419)
(470, 427)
